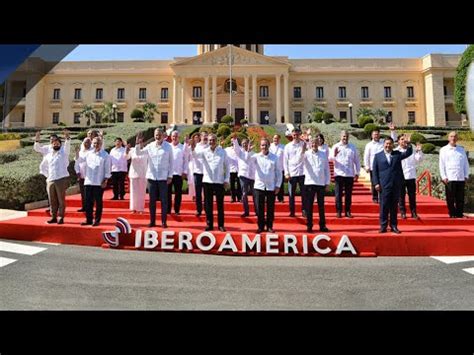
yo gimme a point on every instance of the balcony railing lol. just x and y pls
(164, 99)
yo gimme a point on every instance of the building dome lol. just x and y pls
(204, 48)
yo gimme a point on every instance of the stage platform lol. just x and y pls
(433, 234)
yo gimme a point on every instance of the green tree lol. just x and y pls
(88, 113)
(149, 110)
(107, 113)
(380, 115)
(460, 79)
(137, 115)
(364, 111)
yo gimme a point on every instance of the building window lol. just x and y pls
(24, 92)
(264, 91)
(319, 92)
(297, 116)
(342, 115)
(120, 117)
(446, 115)
(342, 92)
(197, 92)
(23, 117)
(142, 94)
(297, 92)
(77, 94)
(411, 117)
(364, 91)
(55, 117)
(387, 92)
(56, 94)
(164, 117)
(410, 92)
(77, 117)
(99, 94)
(227, 85)
(120, 94)
(389, 117)
(445, 90)
(197, 117)
(164, 93)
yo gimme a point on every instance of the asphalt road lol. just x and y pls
(64, 277)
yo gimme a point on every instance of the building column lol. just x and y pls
(286, 98)
(183, 100)
(206, 100)
(254, 99)
(175, 100)
(34, 101)
(434, 98)
(214, 99)
(8, 95)
(246, 96)
(278, 98)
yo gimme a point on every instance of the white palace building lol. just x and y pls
(195, 90)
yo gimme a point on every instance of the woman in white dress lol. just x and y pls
(137, 177)
(321, 145)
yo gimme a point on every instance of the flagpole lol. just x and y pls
(230, 81)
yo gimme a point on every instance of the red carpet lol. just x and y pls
(433, 234)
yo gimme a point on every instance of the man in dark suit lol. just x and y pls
(388, 178)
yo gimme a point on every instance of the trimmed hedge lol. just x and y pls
(460, 79)
(418, 138)
(12, 136)
(364, 120)
(369, 127)
(428, 148)
(8, 157)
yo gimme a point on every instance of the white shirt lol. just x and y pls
(98, 167)
(57, 162)
(198, 168)
(160, 160)
(374, 147)
(292, 159)
(347, 161)
(388, 156)
(215, 165)
(409, 164)
(118, 157)
(44, 150)
(180, 159)
(316, 168)
(279, 151)
(244, 158)
(138, 166)
(80, 168)
(323, 148)
(453, 163)
(268, 171)
(233, 159)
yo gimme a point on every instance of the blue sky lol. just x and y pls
(150, 52)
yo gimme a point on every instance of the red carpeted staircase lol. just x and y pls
(433, 234)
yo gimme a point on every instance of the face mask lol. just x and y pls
(57, 147)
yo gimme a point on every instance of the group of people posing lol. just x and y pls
(210, 169)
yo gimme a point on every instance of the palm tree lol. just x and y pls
(149, 110)
(380, 114)
(364, 111)
(88, 113)
(107, 113)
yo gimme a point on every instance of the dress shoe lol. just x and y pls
(151, 225)
(164, 225)
(207, 229)
(114, 198)
(122, 197)
(403, 216)
(86, 223)
(61, 221)
(177, 213)
(222, 229)
(383, 230)
(244, 215)
(375, 201)
(95, 224)
(291, 215)
(324, 229)
(338, 215)
(348, 215)
(259, 231)
(270, 230)
(414, 215)
(52, 220)
(395, 230)
(81, 210)
(309, 229)
(198, 214)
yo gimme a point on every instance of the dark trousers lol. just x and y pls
(118, 182)
(198, 187)
(375, 193)
(295, 180)
(235, 188)
(83, 193)
(262, 198)
(410, 187)
(281, 193)
(312, 191)
(389, 205)
(177, 184)
(93, 194)
(344, 186)
(209, 191)
(455, 198)
(247, 190)
(158, 188)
